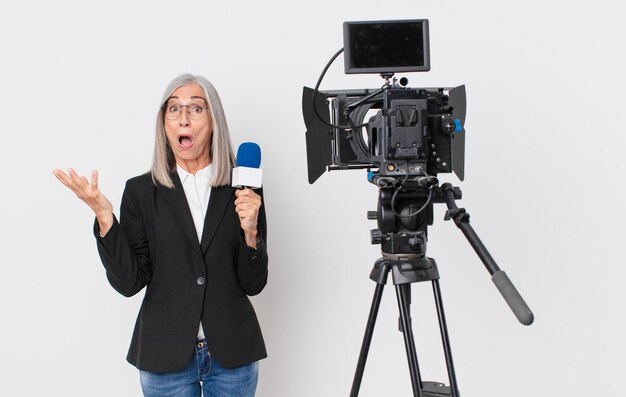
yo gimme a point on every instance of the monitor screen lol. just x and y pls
(386, 46)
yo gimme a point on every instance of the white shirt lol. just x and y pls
(198, 192)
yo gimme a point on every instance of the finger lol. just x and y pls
(248, 206)
(248, 199)
(241, 192)
(94, 179)
(251, 199)
(245, 192)
(253, 195)
(248, 214)
(245, 220)
(84, 185)
(61, 176)
(71, 181)
(248, 224)
(242, 213)
(74, 176)
(80, 185)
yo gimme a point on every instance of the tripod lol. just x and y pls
(403, 236)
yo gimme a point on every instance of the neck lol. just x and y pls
(193, 166)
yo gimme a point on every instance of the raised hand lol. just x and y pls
(90, 195)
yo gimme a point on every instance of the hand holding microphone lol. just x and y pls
(247, 176)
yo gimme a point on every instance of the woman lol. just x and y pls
(195, 243)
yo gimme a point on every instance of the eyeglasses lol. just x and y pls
(196, 111)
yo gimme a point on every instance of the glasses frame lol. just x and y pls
(189, 113)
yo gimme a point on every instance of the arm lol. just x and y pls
(124, 249)
(252, 262)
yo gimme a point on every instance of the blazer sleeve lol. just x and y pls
(124, 249)
(252, 263)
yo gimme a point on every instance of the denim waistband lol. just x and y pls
(201, 344)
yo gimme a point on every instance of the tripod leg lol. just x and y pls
(445, 339)
(367, 339)
(409, 342)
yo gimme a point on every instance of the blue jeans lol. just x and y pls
(202, 376)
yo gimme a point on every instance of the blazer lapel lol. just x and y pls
(218, 203)
(177, 201)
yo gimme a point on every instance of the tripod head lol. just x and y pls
(404, 212)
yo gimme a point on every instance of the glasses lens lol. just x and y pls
(172, 111)
(195, 111)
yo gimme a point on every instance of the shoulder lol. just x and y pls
(141, 182)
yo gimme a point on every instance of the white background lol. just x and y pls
(81, 84)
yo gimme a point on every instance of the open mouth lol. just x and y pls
(185, 141)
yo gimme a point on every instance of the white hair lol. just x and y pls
(220, 148)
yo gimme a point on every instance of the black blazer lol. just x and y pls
(156, 245)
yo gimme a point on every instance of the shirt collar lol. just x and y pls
(204, 173)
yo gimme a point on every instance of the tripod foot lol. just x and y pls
(435, 389)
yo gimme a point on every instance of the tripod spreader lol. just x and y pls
(404, 273)
(499, 277)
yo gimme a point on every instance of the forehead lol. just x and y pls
(188, 92)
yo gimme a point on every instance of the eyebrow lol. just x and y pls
(193, 97)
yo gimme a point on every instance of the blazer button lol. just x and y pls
(200, 280)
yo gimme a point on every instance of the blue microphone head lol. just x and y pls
(249, 155)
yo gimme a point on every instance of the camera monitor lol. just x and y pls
(386, 46)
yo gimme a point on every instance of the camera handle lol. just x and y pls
(499, 277)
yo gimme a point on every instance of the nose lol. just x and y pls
(183, 119)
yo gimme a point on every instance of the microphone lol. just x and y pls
(247, 172)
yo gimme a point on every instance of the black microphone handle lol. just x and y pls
(512, 297)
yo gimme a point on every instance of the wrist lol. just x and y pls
(105, 221)
(251, 238)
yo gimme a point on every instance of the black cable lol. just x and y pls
(316, 91)
(422, 208)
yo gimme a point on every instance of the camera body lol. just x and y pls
(409, 131)
(413, 131)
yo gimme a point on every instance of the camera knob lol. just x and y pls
(415, 243)
(372, 215)
(376, 235)
(448, 125)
